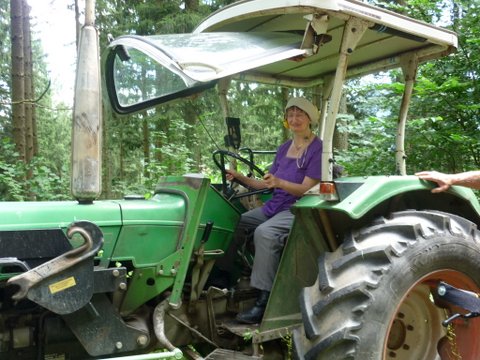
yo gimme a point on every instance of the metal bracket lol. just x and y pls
(467, 300)
(101, 330)
(315, 33)
(65, 283)
(13, 262)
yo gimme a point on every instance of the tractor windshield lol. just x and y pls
(143, 71)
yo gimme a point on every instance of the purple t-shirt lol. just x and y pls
(287, 168)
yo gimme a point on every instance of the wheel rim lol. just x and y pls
(416, 331)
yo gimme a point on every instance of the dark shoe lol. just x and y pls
(255, 314)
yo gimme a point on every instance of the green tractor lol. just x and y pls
(129, 279)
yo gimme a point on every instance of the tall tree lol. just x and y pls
(31, 142)
(23, 113)
(5, 67)
(18, 76)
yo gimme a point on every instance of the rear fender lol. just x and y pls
(359, 196)
(361, 200)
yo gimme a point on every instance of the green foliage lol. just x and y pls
(54, 137)
(259, 108)
(442, 130)
(447, 105)
(11, 171)
(370, 147)
(426, 10)
(46, 184)
(43, 185)
(49, 171)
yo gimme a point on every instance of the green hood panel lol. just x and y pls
(56, 214)
(168, 209)
(165, 208)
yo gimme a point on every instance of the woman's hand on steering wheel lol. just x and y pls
(231, 175)
(219, 157)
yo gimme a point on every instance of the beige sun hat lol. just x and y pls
(306, 106)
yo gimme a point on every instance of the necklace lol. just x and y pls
(301, 156)
(301, 159)
(298, 149)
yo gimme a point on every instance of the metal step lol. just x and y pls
(237, 328)
(230, 355)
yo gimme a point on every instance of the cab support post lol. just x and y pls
(326, 94)
(354, 30)
(409, 68)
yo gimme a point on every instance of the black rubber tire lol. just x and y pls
(350, 310)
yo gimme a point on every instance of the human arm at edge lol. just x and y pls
(469, 179)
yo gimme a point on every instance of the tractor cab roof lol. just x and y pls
(284, 42)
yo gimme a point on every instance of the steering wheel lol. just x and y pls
(219, 158)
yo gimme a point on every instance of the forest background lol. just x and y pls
(442, 130)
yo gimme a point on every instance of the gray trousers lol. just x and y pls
(269, 239)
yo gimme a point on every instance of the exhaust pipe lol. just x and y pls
(87, 114)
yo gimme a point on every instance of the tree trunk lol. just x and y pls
(121, 156)
(161, 127)
(191, 5)
(145, 129)
(107, 157)
(18, 77)
(29, 91)
(285, 96)
(146, 145)
(78, 26)
(190, 119)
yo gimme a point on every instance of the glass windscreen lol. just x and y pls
(140, 78)
(154, 69)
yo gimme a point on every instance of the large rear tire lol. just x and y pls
(374, 297)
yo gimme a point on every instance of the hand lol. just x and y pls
(443, 180)
(232, 174)
(271, 181)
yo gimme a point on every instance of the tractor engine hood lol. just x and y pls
(21, 221)
(59, 214)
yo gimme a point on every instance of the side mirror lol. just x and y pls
(233, 137)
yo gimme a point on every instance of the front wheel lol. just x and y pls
(375, 296)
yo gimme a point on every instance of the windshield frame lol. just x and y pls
(198, 67)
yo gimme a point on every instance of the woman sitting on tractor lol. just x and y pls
(296, 169)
